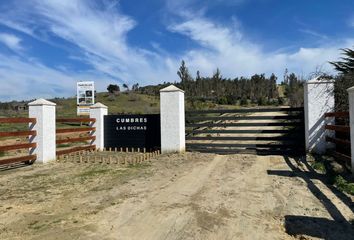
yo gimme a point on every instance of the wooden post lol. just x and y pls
(126, 150)
(144, 150)
(121, 149)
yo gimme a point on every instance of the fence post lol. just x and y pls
(98, 111)
(172, 120)
(318, 100)
(351, 124)
(44, 112)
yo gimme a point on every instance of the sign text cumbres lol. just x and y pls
(132, 131)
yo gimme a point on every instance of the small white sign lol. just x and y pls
(83, 110)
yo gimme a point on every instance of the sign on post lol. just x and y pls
(132, 131)
(85, 97)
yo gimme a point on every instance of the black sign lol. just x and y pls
(132, 131)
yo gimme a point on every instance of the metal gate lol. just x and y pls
(251, 130)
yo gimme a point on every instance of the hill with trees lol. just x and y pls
(258, 89)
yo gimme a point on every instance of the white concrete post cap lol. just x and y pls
(318, 80)
(98, 105)
(350, 89)
(41, 102)
(171, 88)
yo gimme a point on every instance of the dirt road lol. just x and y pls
(191, 196)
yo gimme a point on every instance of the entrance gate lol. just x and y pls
(251, 130)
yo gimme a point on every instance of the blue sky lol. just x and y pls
(46, 46)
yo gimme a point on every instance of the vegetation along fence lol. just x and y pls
(257, 130)
(70, 140)
(9, 144)
(341, 138)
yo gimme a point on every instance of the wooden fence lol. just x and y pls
(10, 147)
(342, 152)
(61, 131)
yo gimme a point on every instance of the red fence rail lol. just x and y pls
(22, 159)
(75, 139)
(342, 137)
(18, 120)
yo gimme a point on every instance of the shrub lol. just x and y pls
(243, 101)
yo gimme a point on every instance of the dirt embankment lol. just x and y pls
(191, 196)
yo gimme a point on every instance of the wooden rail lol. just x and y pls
(69, 120)
(338, 128)
(31, 158)
(71, 140)
(18, 120)
(254, 131)
(247, 110)
(338, 141)
(18, 134)
(238, 145)
(256, 138)
(285, 117)
(75, 149)
(342, 157)
(248, 124)
(337, 114)
(72, 130)
(17, 146)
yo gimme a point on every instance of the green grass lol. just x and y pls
(344, 185)
(335, 176)
(319, 166)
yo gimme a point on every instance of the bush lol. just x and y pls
(243, 102)
(262, 101)
(222, 101)
(113, 88)
(281, 101)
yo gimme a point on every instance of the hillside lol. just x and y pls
(122, 103)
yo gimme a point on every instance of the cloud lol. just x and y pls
(227, 48)
(98, 31)
(23, 80)
(314, 33)
(11, 41)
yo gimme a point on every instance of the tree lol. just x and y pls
(113, 88)
(345, 66)
(135, 87)
(183, 73)
(126, 86)
(344, 80)
(198, 78)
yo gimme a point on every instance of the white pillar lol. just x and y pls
(98, 111)
(351, 115)
(44, 112)
(172, 120)
(318, 100)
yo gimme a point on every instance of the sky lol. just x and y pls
(46, 46)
